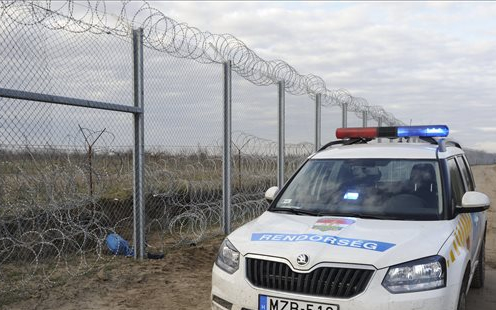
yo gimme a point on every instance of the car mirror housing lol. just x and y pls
(271, 193)
(474, 202)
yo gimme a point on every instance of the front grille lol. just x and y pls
(323, 281)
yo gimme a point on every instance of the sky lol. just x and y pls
(425, 62)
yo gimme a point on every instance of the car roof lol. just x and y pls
(387, 150)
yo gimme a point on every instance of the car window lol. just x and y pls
(384, 188)
(457, 187)
(467, 175)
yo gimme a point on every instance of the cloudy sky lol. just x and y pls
(428, 62)
(425, 62)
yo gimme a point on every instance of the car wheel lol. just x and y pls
(479, 273)
(462, 298)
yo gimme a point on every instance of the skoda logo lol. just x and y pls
(302, 259)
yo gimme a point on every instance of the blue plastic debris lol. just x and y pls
(118, 245)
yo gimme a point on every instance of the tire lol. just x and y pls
(462, 297)
(479, 273)
(462, 300)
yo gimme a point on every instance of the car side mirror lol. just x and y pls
(271, 193)
(474, 202)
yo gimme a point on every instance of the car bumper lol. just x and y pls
(234, 292)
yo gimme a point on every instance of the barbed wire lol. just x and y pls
(50, 220)
(180, 40)
(59, 202)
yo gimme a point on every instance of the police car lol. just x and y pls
(362, 225)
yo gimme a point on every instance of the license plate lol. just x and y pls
(275, 303)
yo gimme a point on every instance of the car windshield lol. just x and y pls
(400, 189)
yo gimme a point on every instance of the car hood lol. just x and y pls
(380, 243)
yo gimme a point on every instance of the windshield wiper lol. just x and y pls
(359, 215)
(297, 211)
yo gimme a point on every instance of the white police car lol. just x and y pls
(362, 226)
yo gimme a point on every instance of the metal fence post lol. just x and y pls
(365, 115)
(345, 115)
(318, 120)
(139, 147)
(226, 155)
(281, 134)
(379, 124)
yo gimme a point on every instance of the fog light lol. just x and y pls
(220, 304)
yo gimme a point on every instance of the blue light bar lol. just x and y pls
(423, 131)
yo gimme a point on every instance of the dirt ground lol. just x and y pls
(182, 279)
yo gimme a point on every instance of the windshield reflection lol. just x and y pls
(368, 188)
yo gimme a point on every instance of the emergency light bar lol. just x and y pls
(393, 132)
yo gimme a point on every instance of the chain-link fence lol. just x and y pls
(70, 139)
(65, 173)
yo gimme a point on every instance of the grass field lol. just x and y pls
(122, 283)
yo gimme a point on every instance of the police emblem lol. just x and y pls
(333, 224)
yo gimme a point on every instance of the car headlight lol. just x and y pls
(420, 275)
(228, 257)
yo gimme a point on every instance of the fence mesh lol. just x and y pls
(183, 123)
(66, 173)
(254, 166)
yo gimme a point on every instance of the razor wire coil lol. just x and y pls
(57, 204)
(57, 223)
(164, 34)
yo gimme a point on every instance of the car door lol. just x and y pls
(478, 218)
(457, 192)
